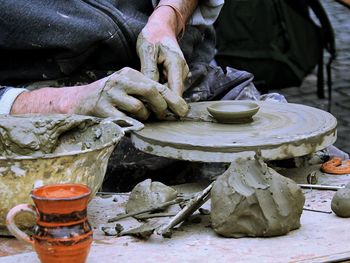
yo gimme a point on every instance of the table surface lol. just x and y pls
(321, 237)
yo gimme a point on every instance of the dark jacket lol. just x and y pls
(52, 39)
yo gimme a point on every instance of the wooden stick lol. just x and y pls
(111, 193)
(188, 210)
(147, 210)
(147, 216)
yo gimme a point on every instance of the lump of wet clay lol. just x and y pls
(148, 194)
(341, 202)
(251, 199)
(37, 134)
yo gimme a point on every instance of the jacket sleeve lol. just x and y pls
(7, 97)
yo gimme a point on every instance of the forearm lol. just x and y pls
(124, 92)
(177, 18)
(44, 100)
(186, 7)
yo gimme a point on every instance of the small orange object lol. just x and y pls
(336, 166)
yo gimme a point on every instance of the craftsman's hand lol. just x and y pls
(129, 91)
(124, 92)
(157, 46)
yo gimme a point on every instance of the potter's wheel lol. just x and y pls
(278, 130)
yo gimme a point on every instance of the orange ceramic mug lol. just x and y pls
(62, 233)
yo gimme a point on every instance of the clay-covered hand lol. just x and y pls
(157, 47)
(127, 91)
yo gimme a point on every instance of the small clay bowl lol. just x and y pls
(233, 111)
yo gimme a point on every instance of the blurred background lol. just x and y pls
(281, 42)
(305, 94)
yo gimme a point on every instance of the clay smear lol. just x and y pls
(37, 134)
(279, 130)
(149, 194)
(251, 199)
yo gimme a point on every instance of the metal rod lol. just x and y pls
(111, 193)
(318, 211)
(320, 187)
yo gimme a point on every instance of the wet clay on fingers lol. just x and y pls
(169, 54)
(251, 199)
(341, 202)
(126, 91)
(166, 52)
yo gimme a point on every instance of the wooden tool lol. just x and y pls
(188, 210)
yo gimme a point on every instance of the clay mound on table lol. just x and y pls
(341, 202)
(251, 199)
(148, 194)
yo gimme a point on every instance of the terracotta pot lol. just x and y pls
(62, 233)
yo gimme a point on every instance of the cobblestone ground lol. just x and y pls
(306, 94)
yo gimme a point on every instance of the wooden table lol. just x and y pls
(322, 236)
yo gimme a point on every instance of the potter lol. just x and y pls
(62, 232)
(144, 53)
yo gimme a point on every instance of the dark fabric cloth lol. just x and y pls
(49, 39)
(43, 40)
(3, 91)
(209, 82)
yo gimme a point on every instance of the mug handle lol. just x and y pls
(10, 222)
